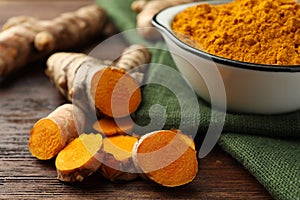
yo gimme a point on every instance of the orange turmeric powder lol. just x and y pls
(261, 32)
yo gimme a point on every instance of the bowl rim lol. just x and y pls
(215, 58)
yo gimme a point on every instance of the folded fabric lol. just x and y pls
(267, 145)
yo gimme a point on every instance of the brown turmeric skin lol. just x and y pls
(261, 32)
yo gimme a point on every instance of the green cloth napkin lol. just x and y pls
(266, 145)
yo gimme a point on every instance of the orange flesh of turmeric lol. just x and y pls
(78, 152)
(187, 139)
(109, 127)
(45, 139)
(180, 171)
(116, 94)
(119, 146)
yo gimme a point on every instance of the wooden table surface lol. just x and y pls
(29, 95)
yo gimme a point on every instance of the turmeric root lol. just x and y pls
(25, 39)
(133, 56)
(117, 163)
(146, 10)
(51, 134)
(105, 85)
(166, 158)
(80, 158)
(109, 127)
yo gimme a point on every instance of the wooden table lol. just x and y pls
(29, 95)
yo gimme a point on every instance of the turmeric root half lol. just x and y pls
(109, 127)
(107, 86)
(25, 39)
(80, 158)
(51, 134)
(117, 163)
(166, 158)
(146, 10)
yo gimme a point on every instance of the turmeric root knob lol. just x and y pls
(51, 134)
(80, 158)
(117, 163)
(166, 158)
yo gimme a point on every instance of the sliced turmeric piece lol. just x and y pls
(80, 158)
(51, 134)
(110, 87)
(109, 127)
(25, 39)
(166, 158)
(117, 163)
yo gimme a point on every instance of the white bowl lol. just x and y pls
(249, 88)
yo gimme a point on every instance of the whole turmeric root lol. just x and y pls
(25, 39)
(117, 161)
(110, 87)
(166, 157)
(80, 158)
(51, 134)
(146, 10)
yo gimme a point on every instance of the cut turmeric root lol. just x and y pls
(80, 158)
(51, 134)
(109, 127)
(117, 163)
(110, 87)
(25, 39)
(116, 93)
(166, 158)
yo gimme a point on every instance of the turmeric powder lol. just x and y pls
(261, 32)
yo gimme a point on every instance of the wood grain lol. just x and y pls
(29, 95)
